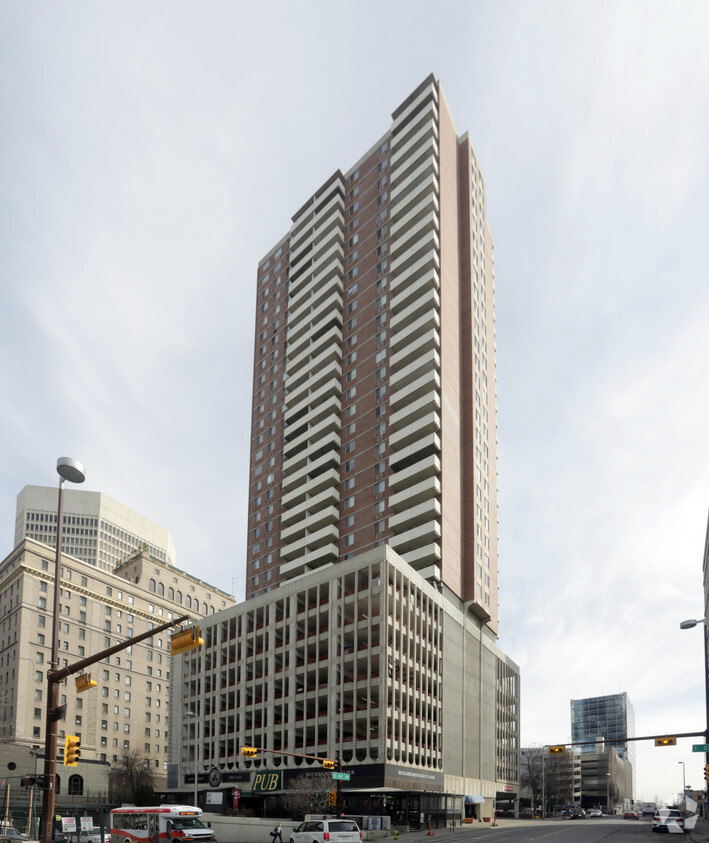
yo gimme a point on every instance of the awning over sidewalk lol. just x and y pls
(474, 800)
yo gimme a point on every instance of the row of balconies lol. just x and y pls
(312, 311)
(418, 109)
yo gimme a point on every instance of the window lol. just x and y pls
(349, 502)
(349, 484)
(350, 464)
(348, 521)
(348, 540)
(379, 487)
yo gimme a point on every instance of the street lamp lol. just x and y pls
(689, 624)
(608, 793)
(196, 750)
(684, 788)
(73, 471)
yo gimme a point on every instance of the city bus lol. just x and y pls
(161, 824)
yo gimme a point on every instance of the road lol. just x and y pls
(610, 829)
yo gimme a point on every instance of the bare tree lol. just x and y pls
(131, 780)
(307, 793)
(530, 776)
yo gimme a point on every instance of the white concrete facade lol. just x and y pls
(96, 528)
(364, 660)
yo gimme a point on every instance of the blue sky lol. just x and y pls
(151, 155)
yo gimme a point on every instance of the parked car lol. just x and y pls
(94, 836)
(326, 831)
(669, 820)
(595, 812)
(9, 834)
(630, 815)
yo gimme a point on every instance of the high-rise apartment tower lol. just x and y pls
(374, 410)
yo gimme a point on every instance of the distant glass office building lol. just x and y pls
(608, 719)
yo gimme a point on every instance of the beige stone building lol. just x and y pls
(128, 709)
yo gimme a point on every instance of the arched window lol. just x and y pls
(76, 785)
(179, 597)
(188, 602)
(151, 585)
(171, 593)
(161, 590)
(211, 610)
(205, 608)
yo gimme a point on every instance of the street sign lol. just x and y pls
(344, 777)
(700, 747)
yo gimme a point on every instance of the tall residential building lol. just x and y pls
(374, 406)
(96, 529)
(370, 630)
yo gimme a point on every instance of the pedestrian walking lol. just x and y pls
(276, 834)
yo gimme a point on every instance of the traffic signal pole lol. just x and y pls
(54, 677)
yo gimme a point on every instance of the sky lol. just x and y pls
(152, 153)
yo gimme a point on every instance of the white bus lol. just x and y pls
(162, 824)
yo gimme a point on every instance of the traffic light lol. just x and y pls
(71, 750)
(554, 749)
(249, 751)
(84, 682)
(28, 781)
(328, 764)
(665, 741)
(186, 640)
(332, 797)
(706, 773)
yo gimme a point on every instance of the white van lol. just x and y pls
(326, 831)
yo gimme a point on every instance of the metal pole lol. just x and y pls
(706, 705)
(684, 788)
(52, 715)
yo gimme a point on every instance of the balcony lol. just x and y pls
(311, 309)
(313, 434)
(430, 92)
(407, 354)
(317, 539)
(428, 360)
(428, 382)
(407, 415)
(328, 377)
(325, 555)
(327, 352)
(425, 131)
(419, 317)
(325, 499)
(422, 248)
(332, 388)
(416, 191)
(408, 518)
(322, 464)
(429, 466)
(401, 187)
(304, 457)
(419, 427)
(311, 486)
(313, 521)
